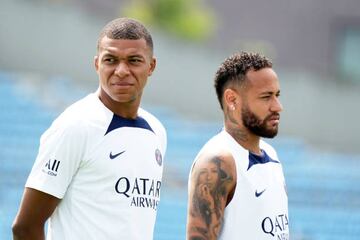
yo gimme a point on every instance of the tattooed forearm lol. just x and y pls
(209, 199)
(197, 238)
(199, 233)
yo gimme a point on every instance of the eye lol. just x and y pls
(109, 60)
(135, 60)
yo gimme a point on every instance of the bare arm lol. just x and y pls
(35, 208)
(212, 183)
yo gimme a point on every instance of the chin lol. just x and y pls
(121, 98)
(272, 134)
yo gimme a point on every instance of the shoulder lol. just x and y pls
(215, 147)
(156, 126)
(215, 156)
(221, 158)
(73, 121)
(270, 150)
(84, 109)
(154, 123)
(216, 144)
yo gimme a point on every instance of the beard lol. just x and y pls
(257, 126)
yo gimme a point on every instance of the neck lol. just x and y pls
(246, 140)
(126, 110)
(242, 135)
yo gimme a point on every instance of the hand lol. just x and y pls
(205, 195)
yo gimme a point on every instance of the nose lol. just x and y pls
(276, 105)
(122, 69)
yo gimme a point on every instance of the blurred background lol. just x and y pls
(46, 63)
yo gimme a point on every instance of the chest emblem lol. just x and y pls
(111, 156)
(158, 157)
(258, 194)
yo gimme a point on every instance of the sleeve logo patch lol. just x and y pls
(51, 167)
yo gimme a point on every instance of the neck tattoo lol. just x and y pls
(233, 127)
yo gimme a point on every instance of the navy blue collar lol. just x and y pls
(256, 159)
(119, 122)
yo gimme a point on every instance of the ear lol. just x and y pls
(231, 99)
(96, 62)
(152, 66)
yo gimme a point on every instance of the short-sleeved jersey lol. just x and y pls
(259, 207)
(107, 171)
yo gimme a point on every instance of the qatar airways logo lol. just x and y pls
(143, 192)
(277, 226)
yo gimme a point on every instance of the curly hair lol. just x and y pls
(126, 28)
(235, 67)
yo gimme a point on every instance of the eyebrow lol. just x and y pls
(109, 55)
(136, 56)
(270, 92)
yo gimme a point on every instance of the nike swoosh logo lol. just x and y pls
(115, 155)
(258, 194)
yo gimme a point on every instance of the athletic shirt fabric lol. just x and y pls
(107, 171)
(259, 207)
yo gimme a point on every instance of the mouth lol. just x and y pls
(274, 119)
(121, 85)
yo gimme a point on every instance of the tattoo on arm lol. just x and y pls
(209, 199)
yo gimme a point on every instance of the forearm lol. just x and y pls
(207, 228)
(27, 232)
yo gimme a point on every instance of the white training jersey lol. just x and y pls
(259, 207)
(107, 171)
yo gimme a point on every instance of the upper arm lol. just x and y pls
(62, 151)
(35, 208)
(212, 182)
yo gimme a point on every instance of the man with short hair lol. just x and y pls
(99, 168)
(236, 185)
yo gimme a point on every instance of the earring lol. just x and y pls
(232, 107)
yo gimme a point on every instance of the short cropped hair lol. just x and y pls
(234, 69)
(126, 28)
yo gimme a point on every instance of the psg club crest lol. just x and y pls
(158, 157)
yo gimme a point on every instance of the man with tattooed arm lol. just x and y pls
(236, 185)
